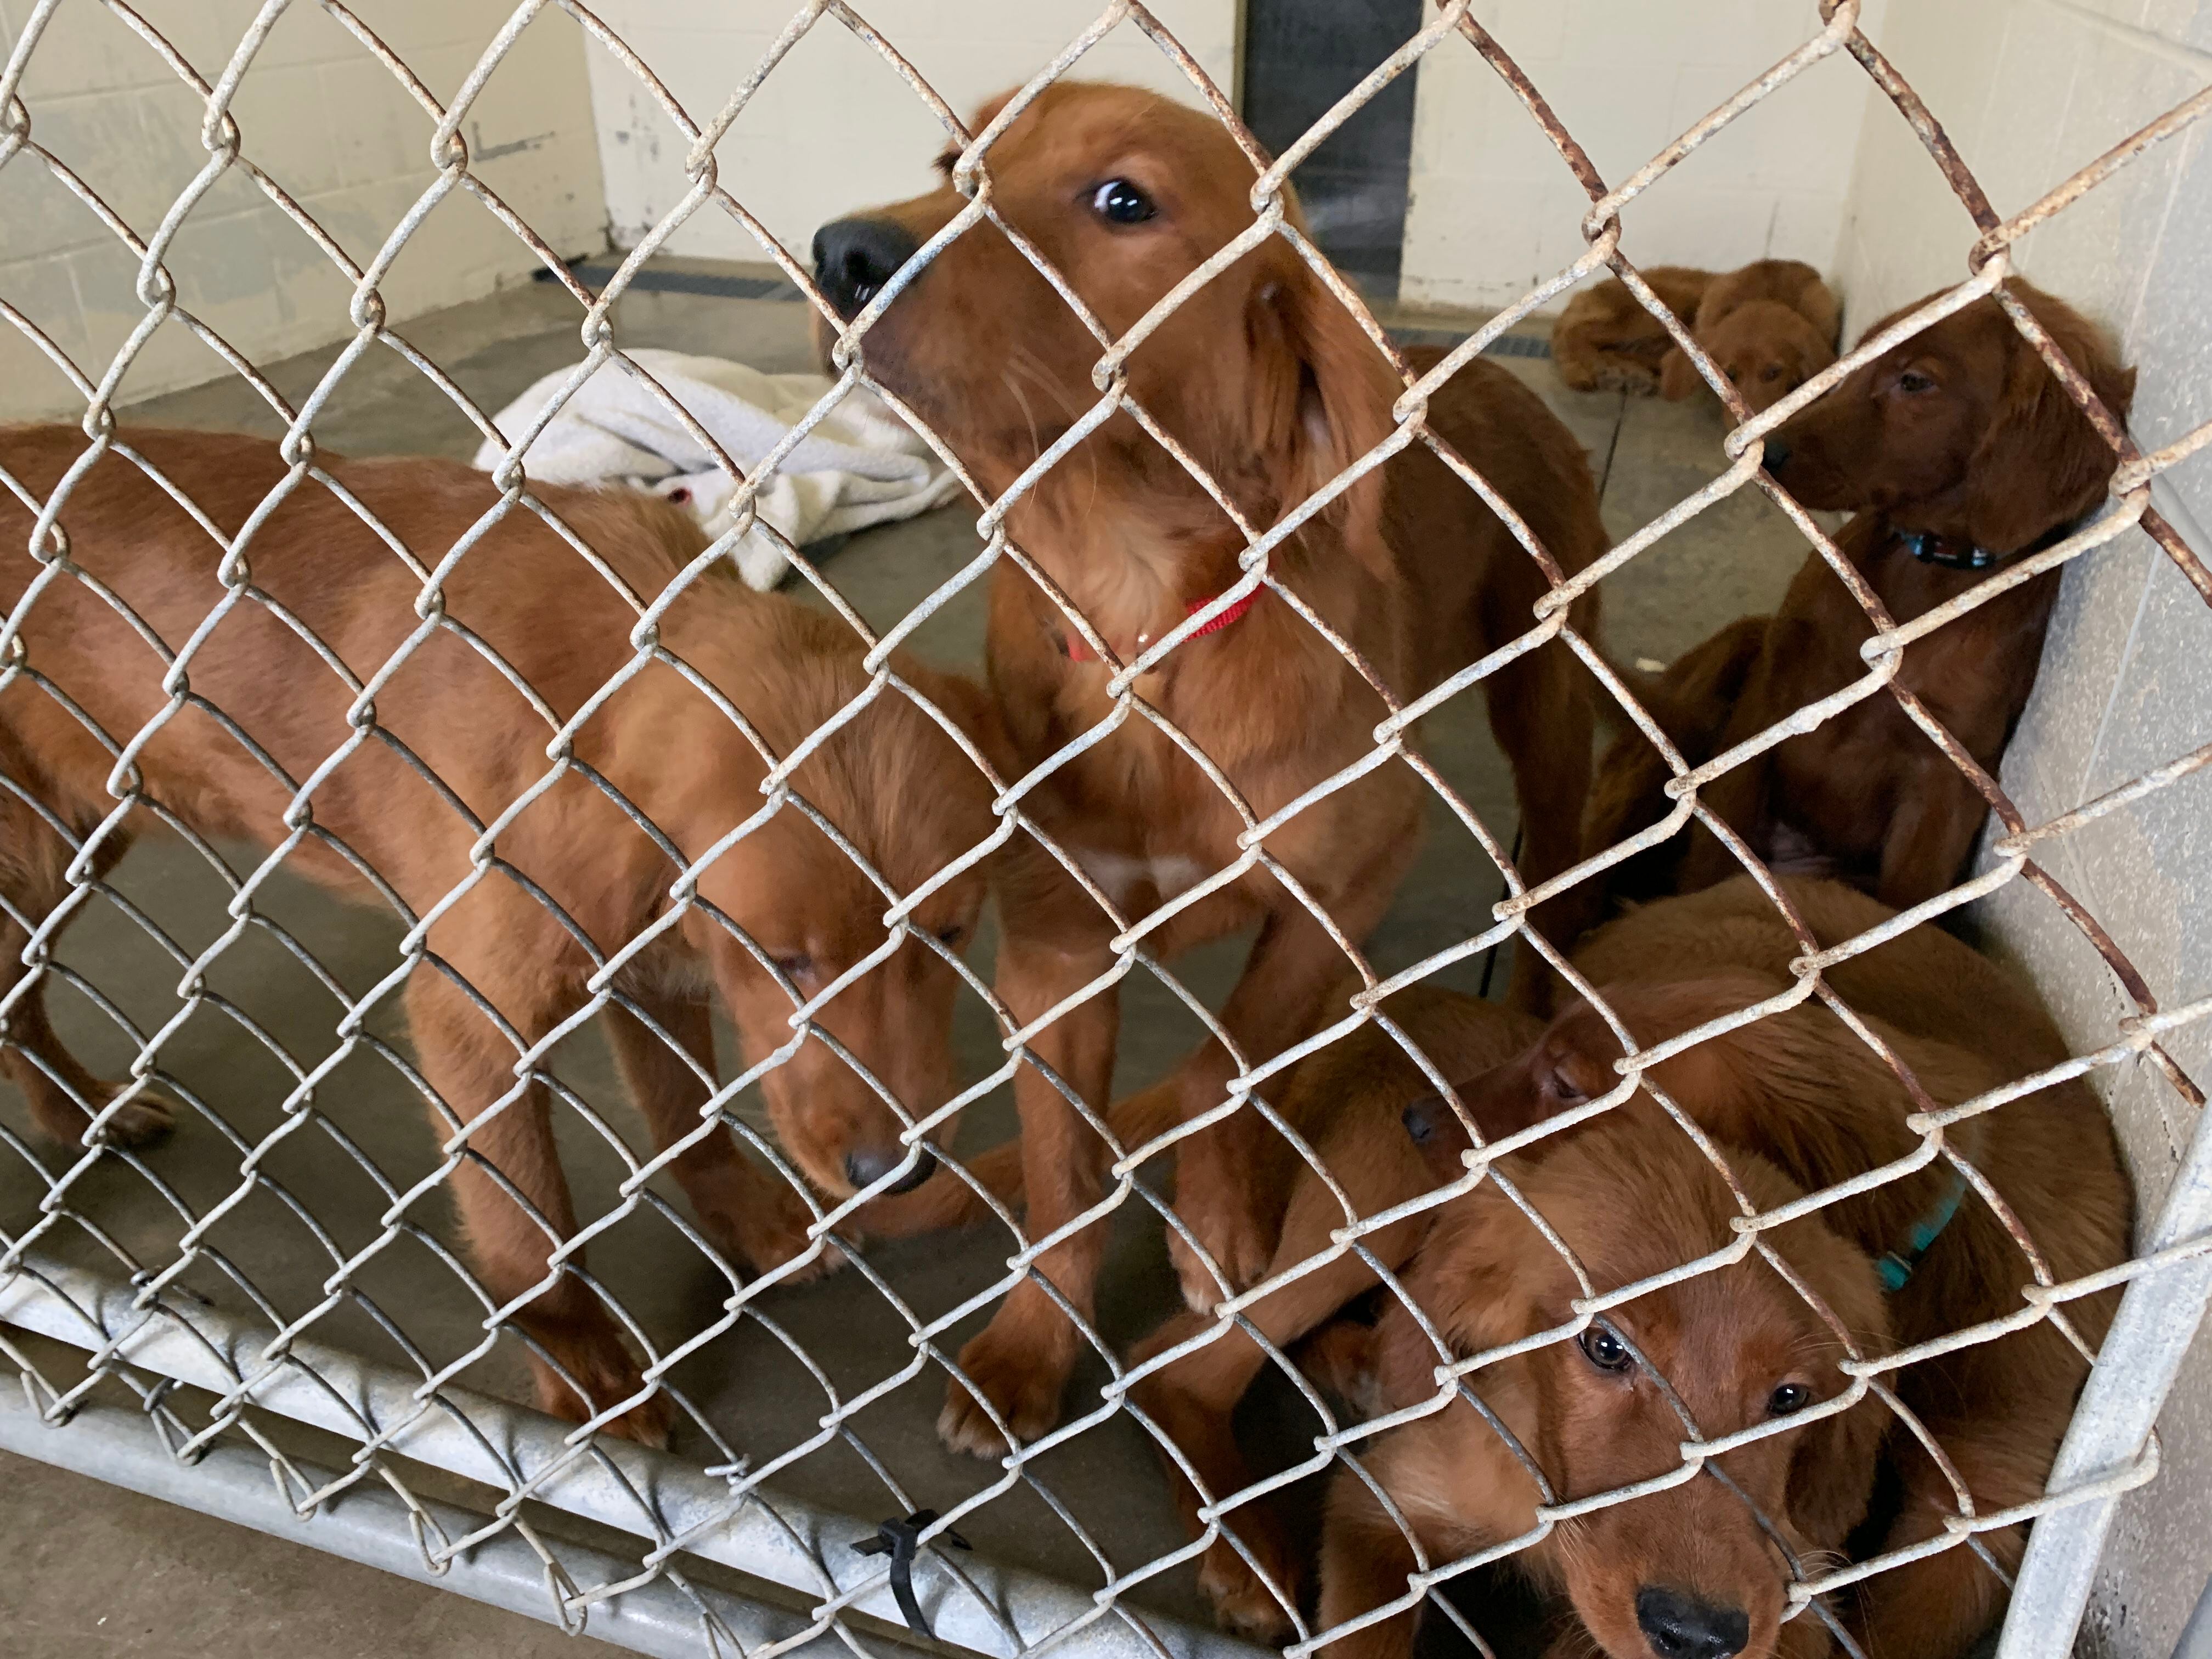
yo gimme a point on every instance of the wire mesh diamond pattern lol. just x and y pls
(145, 1325)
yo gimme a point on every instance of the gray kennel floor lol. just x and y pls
(125, 1575)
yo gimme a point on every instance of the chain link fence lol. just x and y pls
(269, 1408)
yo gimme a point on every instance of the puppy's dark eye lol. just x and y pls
(1771, 371)
(1562, 1088)
(795, 968)
(1790, 1397)
(1912, 382)
(1121, 203)
(951, 936)
(1604, 1350)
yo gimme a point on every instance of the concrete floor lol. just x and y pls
(202, 1583)
(94, 1570)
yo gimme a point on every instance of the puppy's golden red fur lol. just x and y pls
(1800, 1103)
(1961, 438)
(1605, 341)
(1803, 1089)
(1631, 1197)
(1274, 390)
(1769, 327)
(1346, 1100)
(570, 880)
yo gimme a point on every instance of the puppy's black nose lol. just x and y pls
(1777, 457)
(1680, 1627)
(855, 258)
(863, 1169)
(1421, 1118)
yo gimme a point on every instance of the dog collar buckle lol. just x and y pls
(1929, 548)
(1896, 1266)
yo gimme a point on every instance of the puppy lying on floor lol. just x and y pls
(1687, 1571)
(1803, 1100)
(1959, 453)
(1770, 327)
(451, 742)
(1605, 341)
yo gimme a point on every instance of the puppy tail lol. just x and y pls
(945, 1201)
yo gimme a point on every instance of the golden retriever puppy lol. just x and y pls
(1605, 341)
(1770, 327)
(1690, 1571)
(1267, 383)
(522, 916)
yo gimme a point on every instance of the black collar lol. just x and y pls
(1951, 554)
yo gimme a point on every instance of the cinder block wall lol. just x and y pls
(330, 125)
(834, 127)
(2030, 90)
(1495, 210)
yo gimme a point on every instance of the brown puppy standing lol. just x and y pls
(1770, 327)
(1959, 452)
(892, 780)
(1274, 390)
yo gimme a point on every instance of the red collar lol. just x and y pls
(1078, 649)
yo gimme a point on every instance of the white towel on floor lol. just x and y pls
(862, 465)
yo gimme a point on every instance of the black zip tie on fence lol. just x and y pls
(900, 1539)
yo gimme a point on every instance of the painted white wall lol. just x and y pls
(323, 118)
(2030, 90)
(1495, 211)
(834, 127)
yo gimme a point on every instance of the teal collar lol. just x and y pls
(1896, 1266)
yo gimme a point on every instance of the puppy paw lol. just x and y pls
(1239, 1249)
(608, 1379)
(649, 1424)
(1243, 1604)
(1022, 1380)
(145, 1120)
(768, 1230)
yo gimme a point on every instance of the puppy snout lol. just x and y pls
(1777, 454)
(865, 1169)
(1679, 1625)
(1424, 1118)
(855, 258)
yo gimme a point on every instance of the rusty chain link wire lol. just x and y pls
(149, 1333)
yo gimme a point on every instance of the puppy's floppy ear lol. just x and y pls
(1677, 375)
(1326, 391)
(2041, 464)
(1831, 1477)
(1812, 361)
(1481, 1276)
(1817, 304)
